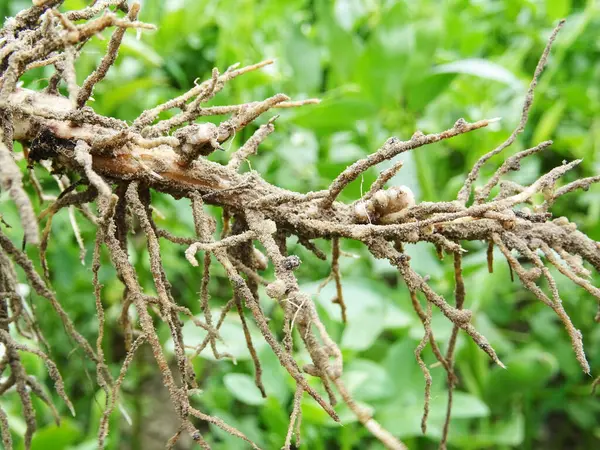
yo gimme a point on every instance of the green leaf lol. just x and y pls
(275, 416)
(275, 378)
(33, 365)
(300, 150)
(360, 297)
(509, 432)
(73, 4)
(425, 174)
(52, 437)
(558, 9)
(313, 413)
(360, 334)
(124, 92)
(367, 380)
(493, 334)
(347, 416)
(90, 444)
(343, 150)
(464, 406)
(139, 49)
(402, 420)
(583, 413)
(304, 58)
(335, 114)
(348, 12)
(423, 260)
(407, 377)
(481, 68)
(242, 387)
(375, 69)
(527, 371)
(174, 69)
(548, 123)
(503, 432)
(343, 46)
(427, 89)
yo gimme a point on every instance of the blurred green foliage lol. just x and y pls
(382, 68)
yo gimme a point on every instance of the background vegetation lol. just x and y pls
(382, 68)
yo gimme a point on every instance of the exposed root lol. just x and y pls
(120, 164)
(459, 295)
(418, 351)
(365, 418)
(295, 420)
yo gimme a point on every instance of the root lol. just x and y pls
(119, 165)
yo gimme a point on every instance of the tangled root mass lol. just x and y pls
(107, 162)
